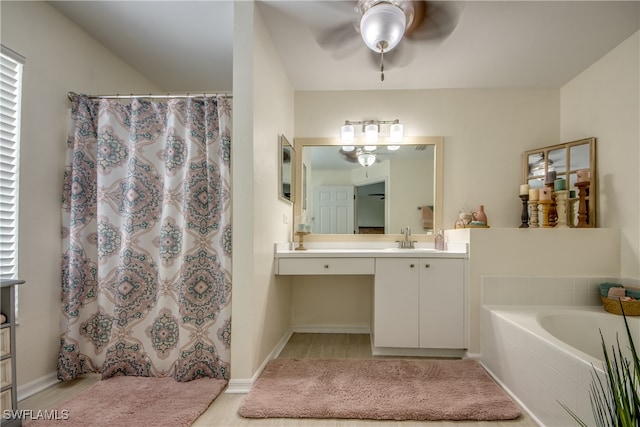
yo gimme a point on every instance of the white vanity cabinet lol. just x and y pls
(419, 303)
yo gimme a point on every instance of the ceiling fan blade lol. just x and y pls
(343, 38)
(399, 57)
(434, 20)
(349, 156)
(340, 41)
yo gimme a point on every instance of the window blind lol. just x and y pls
(11, 65)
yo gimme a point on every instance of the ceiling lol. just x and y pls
(187, 46)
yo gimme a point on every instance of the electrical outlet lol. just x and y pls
(285, 219)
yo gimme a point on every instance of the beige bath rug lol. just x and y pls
(382, 389)
(125, 401)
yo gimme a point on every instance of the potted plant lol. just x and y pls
(616, 400)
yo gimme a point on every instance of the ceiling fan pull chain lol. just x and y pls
(382, 65)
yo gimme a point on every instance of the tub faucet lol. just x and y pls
(406, 243)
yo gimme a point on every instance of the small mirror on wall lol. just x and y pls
(287, 160)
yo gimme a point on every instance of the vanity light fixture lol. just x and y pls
(347, 132)
(371, 131)
(396, 132)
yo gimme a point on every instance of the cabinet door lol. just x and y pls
(396, 302)
(442, 303)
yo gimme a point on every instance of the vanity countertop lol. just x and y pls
(360, 250)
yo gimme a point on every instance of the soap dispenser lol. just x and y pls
(439, 241)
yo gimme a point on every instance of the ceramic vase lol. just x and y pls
(479, 215)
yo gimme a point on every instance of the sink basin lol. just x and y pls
(401, 250)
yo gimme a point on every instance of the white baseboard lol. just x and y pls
(417, 352)
(240, 385)
(37, 385)
(332, 329)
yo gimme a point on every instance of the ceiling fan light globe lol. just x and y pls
(366, 160)
(383, 26)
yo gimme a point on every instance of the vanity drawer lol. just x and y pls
(315, 266)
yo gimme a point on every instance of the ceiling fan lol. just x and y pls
(363, 155)
(383, 24)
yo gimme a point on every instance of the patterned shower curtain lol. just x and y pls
(146, 206)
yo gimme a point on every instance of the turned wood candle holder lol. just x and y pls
(582, 205)
(525, 212)
(301, 235)
(562, 208)
(553, 212)
(533, 214)
(571, 214)
(545, 213)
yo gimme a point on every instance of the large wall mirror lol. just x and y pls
(287, 160)
(565, 159)
(368, 193)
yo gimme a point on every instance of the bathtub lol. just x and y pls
(547, 354)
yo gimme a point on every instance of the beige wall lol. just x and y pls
(604, 101)
(60, 58)
(485, 133)
(332, 303)
(263, 109)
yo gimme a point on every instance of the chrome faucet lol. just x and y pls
(406, 243)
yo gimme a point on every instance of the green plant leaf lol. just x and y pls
(615, 402)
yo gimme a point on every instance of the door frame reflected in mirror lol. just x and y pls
(300, 187)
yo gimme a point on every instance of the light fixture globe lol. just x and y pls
(366, 160)
(382, 26)
(371, 133)
(347, 133)
(396, 132)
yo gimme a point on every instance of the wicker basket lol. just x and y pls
(631, 308)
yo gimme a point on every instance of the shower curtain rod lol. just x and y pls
(70, 95)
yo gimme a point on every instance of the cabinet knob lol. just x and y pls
(427, 265)
(326, 266)
(412, 265)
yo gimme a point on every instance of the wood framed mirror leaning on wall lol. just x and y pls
(343, 194)
(565, 159)
(287, 158)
